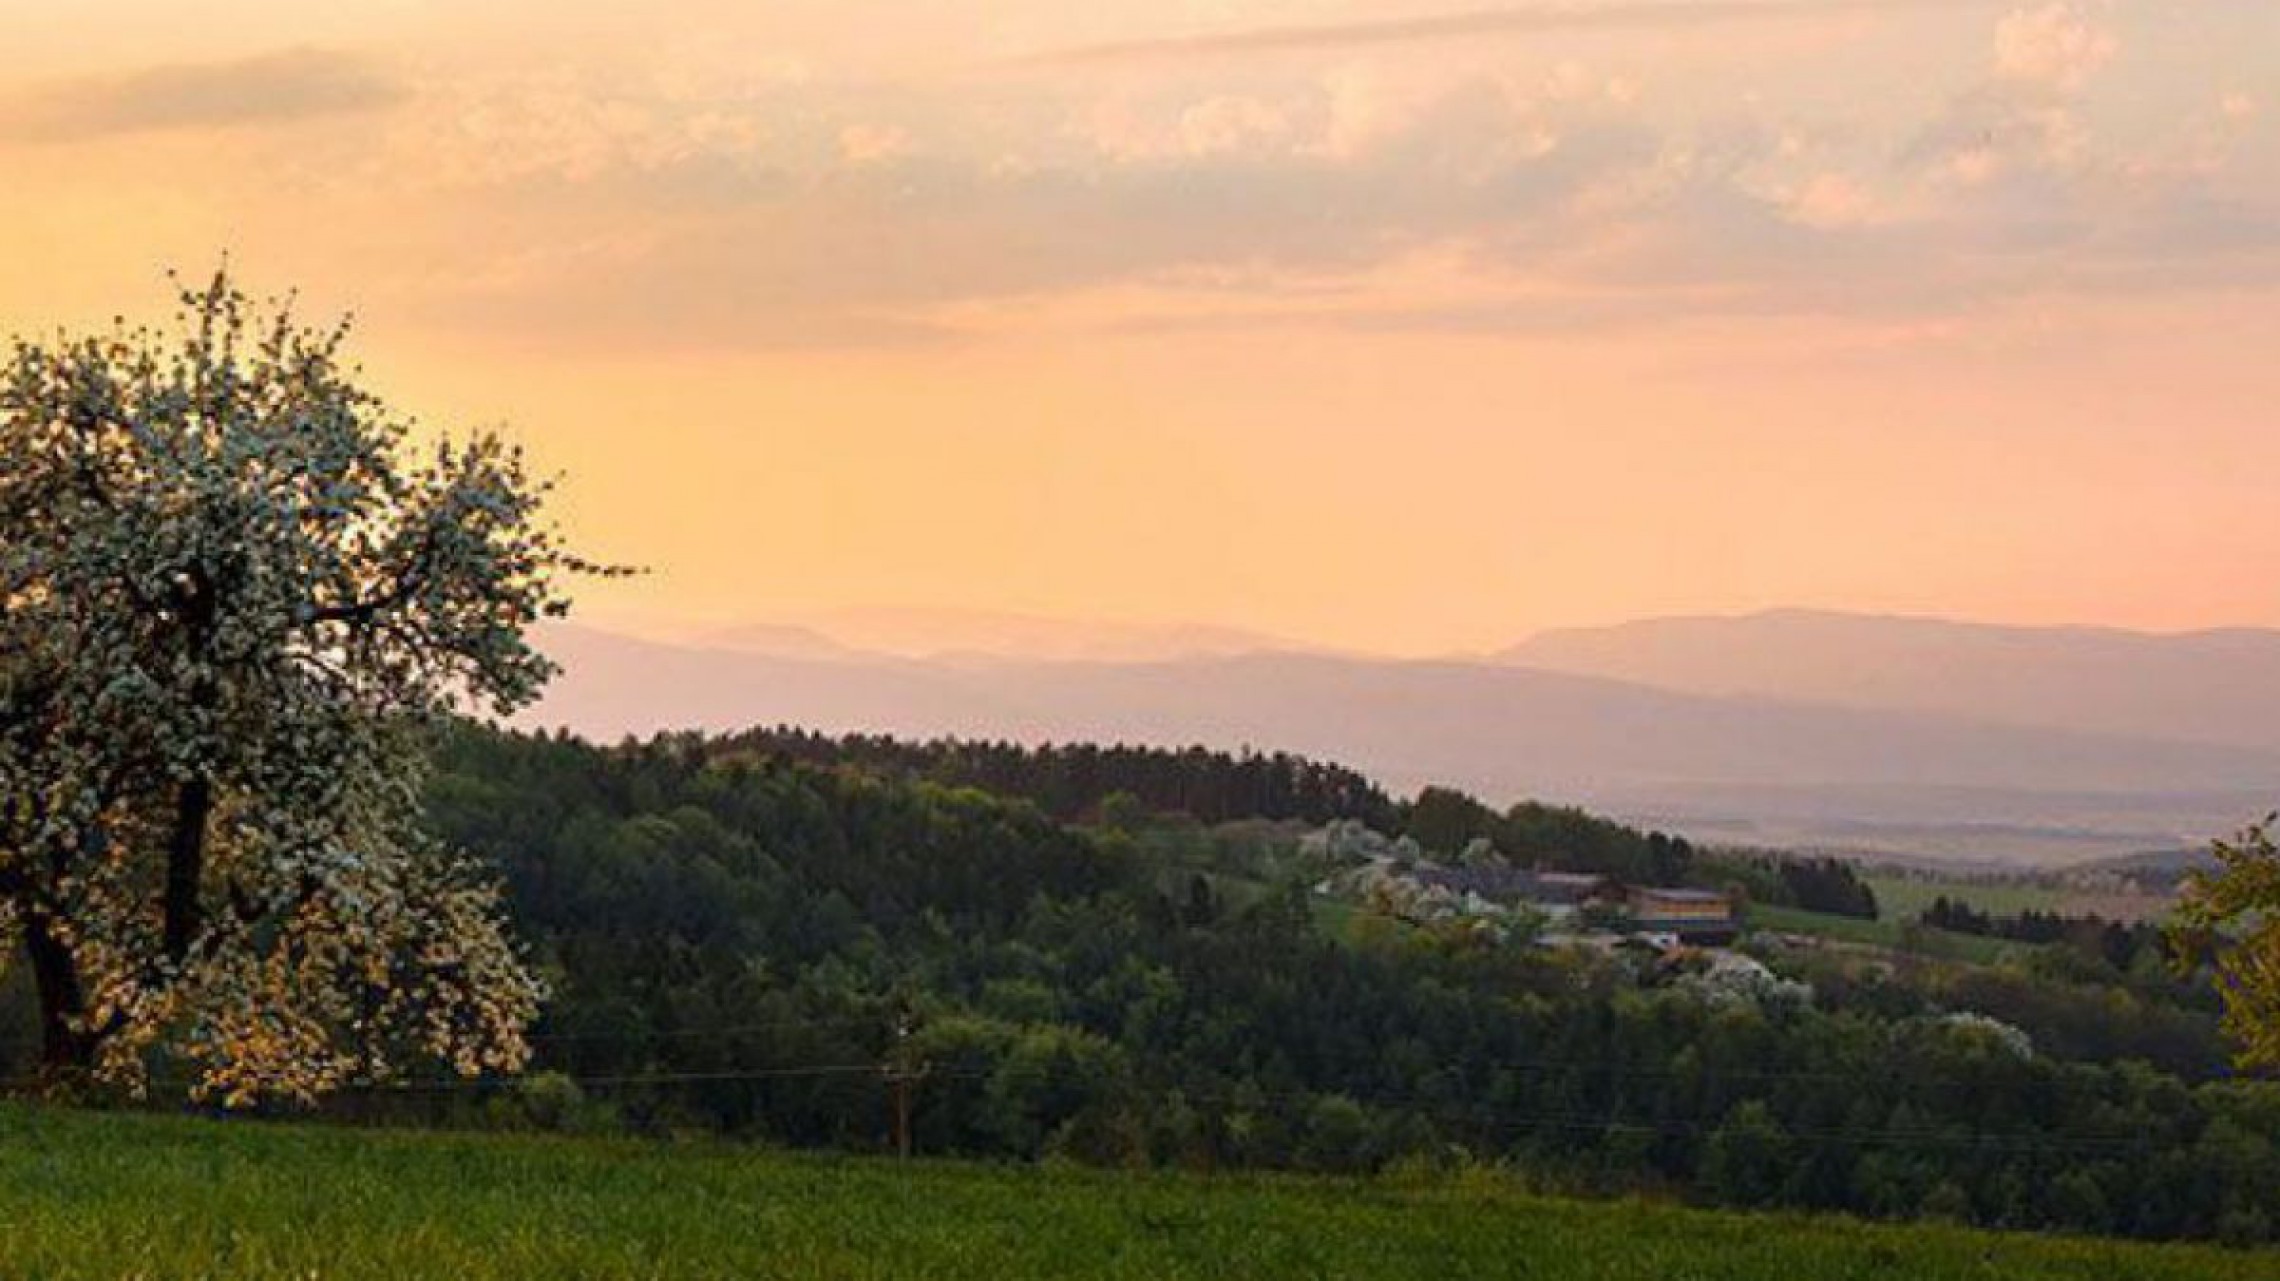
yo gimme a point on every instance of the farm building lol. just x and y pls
(1555, 894)
(1695, 916)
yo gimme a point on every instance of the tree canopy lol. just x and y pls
(741, 941)
(2243, 895)
(233, 584)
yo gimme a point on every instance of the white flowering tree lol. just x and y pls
(234, 591)
(2229, 916)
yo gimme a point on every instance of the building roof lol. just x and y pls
(1577, 880)
(1676, 895)
(1509, 883)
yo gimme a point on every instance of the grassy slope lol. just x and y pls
(87, 1196)
(1904, 898)
(1883, 933)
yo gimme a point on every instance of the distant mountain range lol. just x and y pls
(910, 632)
(1869, 735)
(2213, 686)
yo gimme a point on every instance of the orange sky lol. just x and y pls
(1387, 324)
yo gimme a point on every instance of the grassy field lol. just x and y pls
(1884, 932)
(109, 1196)
(1904, 898)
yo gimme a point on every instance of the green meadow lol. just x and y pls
(1904, 898)
(96, 1195)
(1885, 932)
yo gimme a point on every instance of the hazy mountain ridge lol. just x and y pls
(2219, 686)
(976, 635)
(1788, 770)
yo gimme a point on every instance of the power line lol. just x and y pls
(708, 1033)
(1486, 1115)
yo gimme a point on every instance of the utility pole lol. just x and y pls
(901, 1075)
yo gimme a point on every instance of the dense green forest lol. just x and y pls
(769, 936)
(727, 925)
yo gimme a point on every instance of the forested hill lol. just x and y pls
(1070, 781)
(743, 941)
(1088, 784)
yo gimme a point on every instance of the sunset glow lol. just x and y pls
(1375, 323)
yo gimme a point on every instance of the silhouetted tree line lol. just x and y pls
(1827, 885)
(2119, 944)
(1070, 781)
(1561, 838)
(1079, 782)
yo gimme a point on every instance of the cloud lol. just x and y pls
(822, 250)
(1613, 16)
(1997, 131)
(642, 208)
(1562, 206)
(1216, 127)
(867, 144)
(2022, 118)
(1829, 201)
(2053, 46)
(551, 127)
(1226, 124)
(265, 89)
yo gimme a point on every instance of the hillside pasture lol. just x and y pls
(86, 1196)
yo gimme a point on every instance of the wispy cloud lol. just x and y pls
(1613, 16)
(267, 88)
(2024, 115)
(2056, 45)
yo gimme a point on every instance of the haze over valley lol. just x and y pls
(1800, 730)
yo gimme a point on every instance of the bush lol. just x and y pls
(552, 1102)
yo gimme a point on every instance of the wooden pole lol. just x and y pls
(901, 1075)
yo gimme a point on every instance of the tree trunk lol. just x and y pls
(186, 866)
(67, 1047)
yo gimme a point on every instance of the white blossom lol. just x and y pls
(233, 595)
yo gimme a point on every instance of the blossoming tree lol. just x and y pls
(2231, 914)
(235, 588)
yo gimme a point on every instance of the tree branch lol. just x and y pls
(409, 582)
